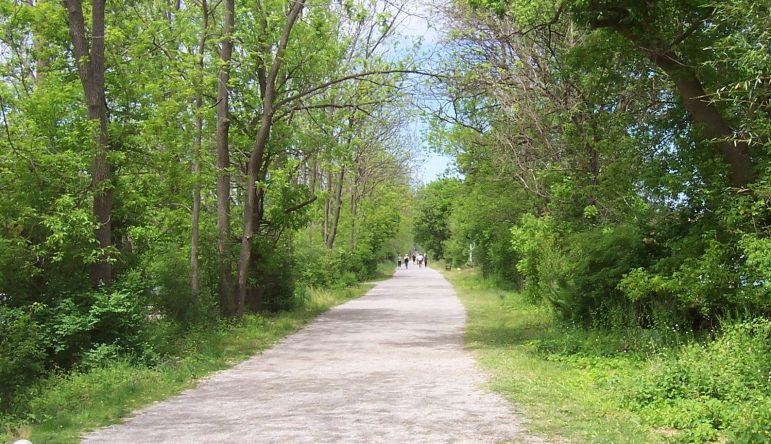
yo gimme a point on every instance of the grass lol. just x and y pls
(569, 384)
(65, 406)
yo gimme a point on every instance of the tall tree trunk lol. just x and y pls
(90, 61)
(352, 234)
(196, 211)
(41, 63)
(358, 176)
(223, 163)
(327, 208)
(313, 182)
(256, 157)
(703, 111)
(338, 205)
(254, 292)
(314, 174)
(695, 100)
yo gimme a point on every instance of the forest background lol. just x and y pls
(167, 167)
(615, 172)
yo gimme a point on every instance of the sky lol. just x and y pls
(420, 22)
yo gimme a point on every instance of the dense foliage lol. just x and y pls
(184, 161)
(614, 169)
(720, 386)
(167, 164)
(595, 176)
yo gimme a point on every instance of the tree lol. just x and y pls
(268, 89)
(678, 51)
(89, 58)
(571, 146)
(195, 213)
(435, 204)
(226, 289)
(673, 35)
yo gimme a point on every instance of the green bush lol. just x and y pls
(79, 322)
(321, 268)
(22, 351)
(168, 275)
(596, 261)
(99, 356)
(276, 286)
(579, 273)
(705, 390)
(317, 266)
(753, 423)
(83, 330)
(701, 279)
(535, 242)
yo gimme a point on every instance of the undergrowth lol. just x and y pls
(713, 390)
(61, 407)
(661, 384)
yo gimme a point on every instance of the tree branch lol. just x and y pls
(300, 205)
(360, 75)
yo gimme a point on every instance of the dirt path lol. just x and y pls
(388, 367)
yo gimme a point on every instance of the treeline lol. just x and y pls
(178, 162)
(614, 158)
(613, 163)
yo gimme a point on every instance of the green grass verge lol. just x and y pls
(65, 406)
(564, 393)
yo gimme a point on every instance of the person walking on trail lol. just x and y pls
(406, 261)
(425, 260)
(399, 262)
(420, 260)
(414, 259)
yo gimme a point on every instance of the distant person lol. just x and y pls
(420, 260)
(413, 257)
(406, 261)
(425, 260)
(399, 262)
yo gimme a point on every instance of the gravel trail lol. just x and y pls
(388, 367)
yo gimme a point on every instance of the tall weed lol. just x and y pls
(712, 389)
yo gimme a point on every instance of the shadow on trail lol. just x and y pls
(502, 336)
(350, 314)
(442, 341)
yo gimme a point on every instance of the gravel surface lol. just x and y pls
(388, 367)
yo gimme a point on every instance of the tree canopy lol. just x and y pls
(614, 156)
(189, 160)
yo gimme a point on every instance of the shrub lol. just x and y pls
(276, 285)
(753, 422)
(708, 388)
(78, 322)
(579, 273)
(169, 277)
(99, 356)
(22, 351)
(596, 261)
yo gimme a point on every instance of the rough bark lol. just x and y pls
(196, 210)
(314, 174)
(313, 182)
(255, 292)
(256, 157)
(90, 62)
(327, 209)
(223, 163)
(338, 203)
(352, 233)
(695, 100)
